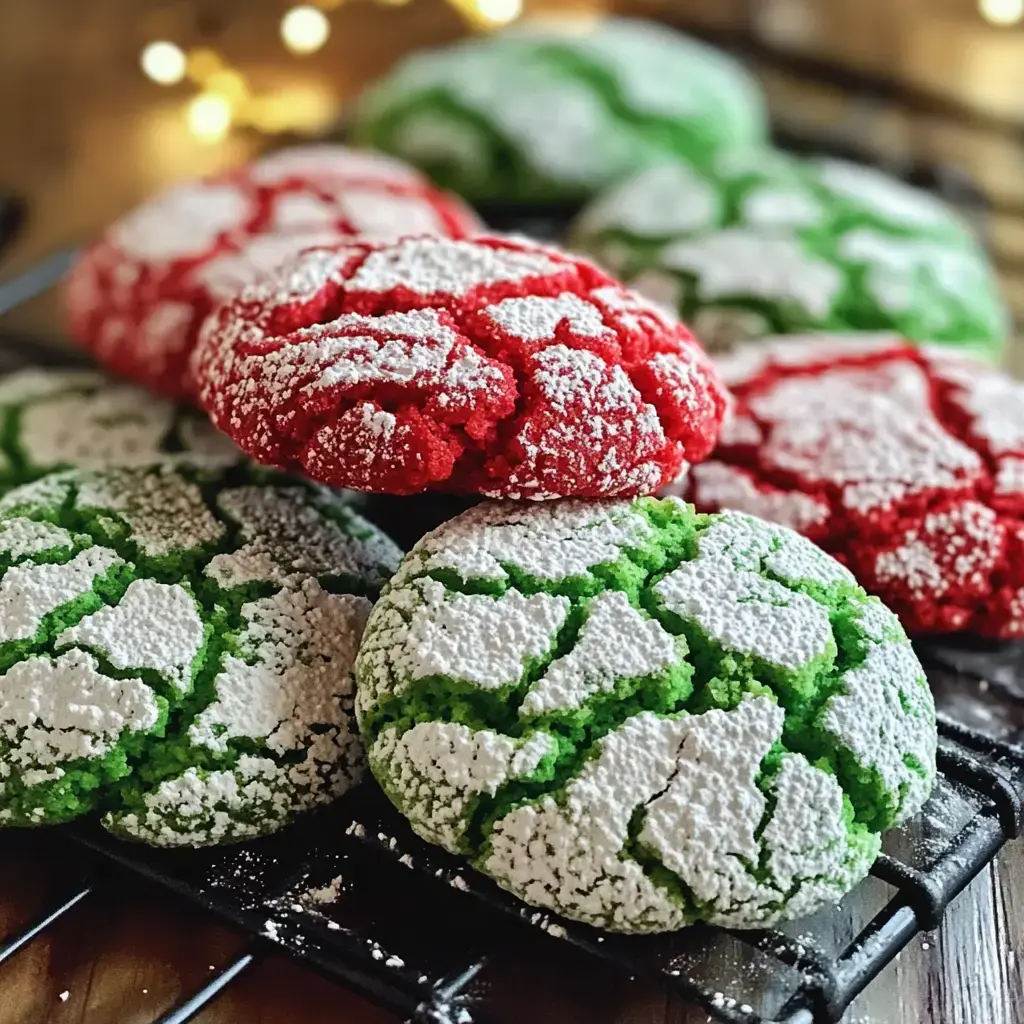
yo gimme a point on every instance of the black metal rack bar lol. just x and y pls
(11, 945)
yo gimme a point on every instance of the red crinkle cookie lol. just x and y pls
(137, 297)
(905, 463)
(494, 366)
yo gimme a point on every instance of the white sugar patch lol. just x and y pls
(382, 216)
(615, 643)
(883, 195)
(201, 808)
(434, 769)
(549, 541)
(429, 266)
(535, 317)
(664, 201)
(114, 425)
(734, 263)
(165, 512)
(184, 221)
(55, 711)
(704, 824)
(478, 639)
(884, 714)
(719, 486)
(284, 532)
(20, 537)
(568, 854)
(293, 672)
(154, 625)
(723, 594)
(30, 592)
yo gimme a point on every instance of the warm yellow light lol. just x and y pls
(163, 62)
(229, 84)
(202, 63)
(393, 3)
(209, 117)
(1002, 12)
(499, 12)
(305, 29)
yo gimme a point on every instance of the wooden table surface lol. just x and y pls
(85, 137)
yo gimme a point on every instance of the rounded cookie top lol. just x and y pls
(493, 365)
(542, 113)
(907, 462)
(641, 717)
(137, 297)
(177, 647)
(764, 243)
(59, 419)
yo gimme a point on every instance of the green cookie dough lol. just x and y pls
(60, 419)
(176, 649)
(641, 717)
(544, 113)
(769, 244)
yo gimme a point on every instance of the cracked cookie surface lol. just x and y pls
(495, 365)
(58, 419)
(906, 462)
(176, 649)
(137, 297)
(642, 717)
(764, 243)
(540, 114)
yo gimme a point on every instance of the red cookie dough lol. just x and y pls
(137, 297)
(495, 366)
(907, 464)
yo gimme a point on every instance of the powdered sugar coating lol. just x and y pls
(55, 419)
(674, 747)
(735, 606)
(549, 114)
(137, 298)
(910, 457)
(495, 366)
(125, 635)
(786, 245)
(177, 664)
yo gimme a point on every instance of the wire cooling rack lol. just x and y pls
(314, 891)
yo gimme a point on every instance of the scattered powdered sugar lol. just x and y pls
(615, 643)
(154, 625)
(882, 716)
(184, 221)
(475, 638)
(548, 541)
(723, 594)
(29, 592)
(55, 711)
(437, 768)
(535, 317)
(428, 266)
(737, 263)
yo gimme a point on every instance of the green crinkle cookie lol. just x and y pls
(641, 717)
(767, 244)
(543, 113)
(59, 419)
(177, 645)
